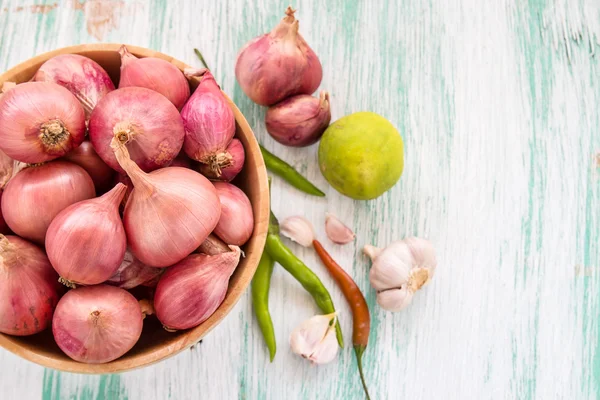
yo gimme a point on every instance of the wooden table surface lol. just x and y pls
(498, 103)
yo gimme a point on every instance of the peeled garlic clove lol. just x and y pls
(298, 229)
(189, 292)
(299, 120)
(336, 231)
(314, 339)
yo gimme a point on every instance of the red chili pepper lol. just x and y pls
(361, 319)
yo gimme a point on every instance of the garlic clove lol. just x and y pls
(314, 339)
(423, 253)
(336, 231)
(327, 350)
(299, 230)
(395, 299)
(391, 269)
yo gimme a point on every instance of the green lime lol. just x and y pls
(361, 155)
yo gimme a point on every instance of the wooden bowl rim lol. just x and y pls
(253, 252)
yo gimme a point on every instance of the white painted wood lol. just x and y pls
(497, 103)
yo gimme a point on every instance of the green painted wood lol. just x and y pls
(497, 103)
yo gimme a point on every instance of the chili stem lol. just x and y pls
(201, 58)
(359, 350)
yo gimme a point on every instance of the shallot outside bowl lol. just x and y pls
(155, 343)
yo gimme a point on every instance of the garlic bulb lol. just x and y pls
(315, 339)
(400, 270)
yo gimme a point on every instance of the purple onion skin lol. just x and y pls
(299, 121)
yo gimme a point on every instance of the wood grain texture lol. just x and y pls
(497, 102)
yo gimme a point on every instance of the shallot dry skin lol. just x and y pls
(144, 120)
(170, 212)
(299, 120)
(155, 74)
(209, 125)
(229, 172)
(38, 193)
(132, 272)
(86, 157)
(189, 292)
(97, 324)
(237, 220)
(83, 77)
(279, 64)
(29, 288)
(86, 241)
(213, 246)
(40, 121)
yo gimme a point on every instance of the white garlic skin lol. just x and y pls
(400, 270)
(298, 229)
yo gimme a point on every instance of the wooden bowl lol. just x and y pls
(155, 343)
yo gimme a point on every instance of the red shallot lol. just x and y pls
(170, 211)
(38, 193)
(97, 324)
(132, 273)
(83, 77)
(237, 221)
(236, 151)
(189, 292)
(29, 289)
(279, 64)
(86, 157)
(155, 74)
(40, 121)
(209, 124)
(3, 227)
(86, 241)
(299, 120)
(142, 119)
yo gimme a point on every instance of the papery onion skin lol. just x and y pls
(29, 288)
(97, 324)
(300, 120)
(213, 246)
(132, 273)
(228, 173)
(86, 241)
(170, 225)
(37, 194)
(170, 212)
(237, 220)
(145, 120)
(155, 74)
(86, 157)
(278, 64)
(209, 124)
(124, 179)
(40, 121)
(189, 292)
(82, 76)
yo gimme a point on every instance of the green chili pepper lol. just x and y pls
(307, 278)
(261, 284)
(287, 172)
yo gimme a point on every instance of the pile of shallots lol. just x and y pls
(105, 190)
(279, 70)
